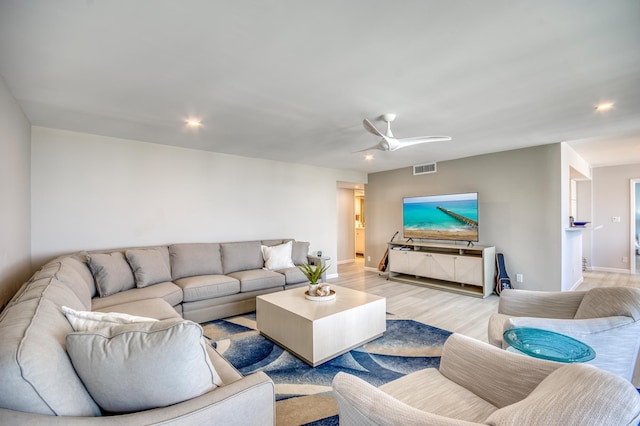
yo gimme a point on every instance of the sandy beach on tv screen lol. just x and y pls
(460, 235)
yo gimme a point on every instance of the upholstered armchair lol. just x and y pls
(607, 319)
(477, 383)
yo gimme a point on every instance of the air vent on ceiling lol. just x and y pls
(423, 169)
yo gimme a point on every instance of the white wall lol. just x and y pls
(611, 198)
(571, 240)
(519, 202)
(15, 217)
(93, 192)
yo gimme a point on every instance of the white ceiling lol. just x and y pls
(292, 80)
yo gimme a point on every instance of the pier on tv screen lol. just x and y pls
(441, 217)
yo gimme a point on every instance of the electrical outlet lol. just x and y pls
(519, 278)
(625, 259)
(368, 258)
(615, 219)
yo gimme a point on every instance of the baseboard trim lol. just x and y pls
(330, 276)
(616, 270)
(342, 262)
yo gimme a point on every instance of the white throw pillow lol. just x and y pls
(277, 257)
(89, 321)
(134, 367)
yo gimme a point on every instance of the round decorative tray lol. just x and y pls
(331, 296)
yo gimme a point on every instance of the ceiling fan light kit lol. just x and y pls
(389, 142)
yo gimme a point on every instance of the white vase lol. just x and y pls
(312, 289)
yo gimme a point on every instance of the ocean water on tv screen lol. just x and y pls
(423, 216)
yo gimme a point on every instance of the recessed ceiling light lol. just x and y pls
(193, 122)
(604, 106)
(368, 157)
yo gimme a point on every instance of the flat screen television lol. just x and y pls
(441, 217)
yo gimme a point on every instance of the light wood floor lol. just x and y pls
(454, 312)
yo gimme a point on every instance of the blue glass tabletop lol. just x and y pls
(549, 345)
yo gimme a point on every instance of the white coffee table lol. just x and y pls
(319, 331)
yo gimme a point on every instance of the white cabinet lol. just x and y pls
(468, 270)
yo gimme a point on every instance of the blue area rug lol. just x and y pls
(303, 393)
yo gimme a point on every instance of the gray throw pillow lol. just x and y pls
(111, 272)
(149, 266)
(134, 367)
(299, 252)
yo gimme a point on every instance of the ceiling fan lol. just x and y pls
(390, 143)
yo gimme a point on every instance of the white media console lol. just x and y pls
(467, 270)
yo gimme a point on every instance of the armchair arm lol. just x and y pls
(499, 377)
(226, 405)
(540, 304)
(362, 404)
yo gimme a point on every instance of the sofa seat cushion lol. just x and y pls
(133, 367)
(293, 275)
(168, 291)
(207, 287)
(258, 279)
(151, 308)
(430, 391)
(190, 260)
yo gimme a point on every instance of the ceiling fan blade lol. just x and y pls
(405, 142)
(371, 128)
(423, 139)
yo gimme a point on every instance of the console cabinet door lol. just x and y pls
(442, 267)
(399, 261)
(468, 270)
(420, 264)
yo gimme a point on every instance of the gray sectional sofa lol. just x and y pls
(179, 285)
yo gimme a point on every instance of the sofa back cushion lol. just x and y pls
(150, 266)
(190, 260)
(241, 256)
(299, 252)
(36, 375)
(72, 272)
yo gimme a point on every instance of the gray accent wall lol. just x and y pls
(15, 189)
(520, 207)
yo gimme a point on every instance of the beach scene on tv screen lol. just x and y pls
(441, 217)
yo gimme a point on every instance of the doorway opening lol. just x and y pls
(634, 226)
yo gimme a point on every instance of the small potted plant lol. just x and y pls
(313, 274)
